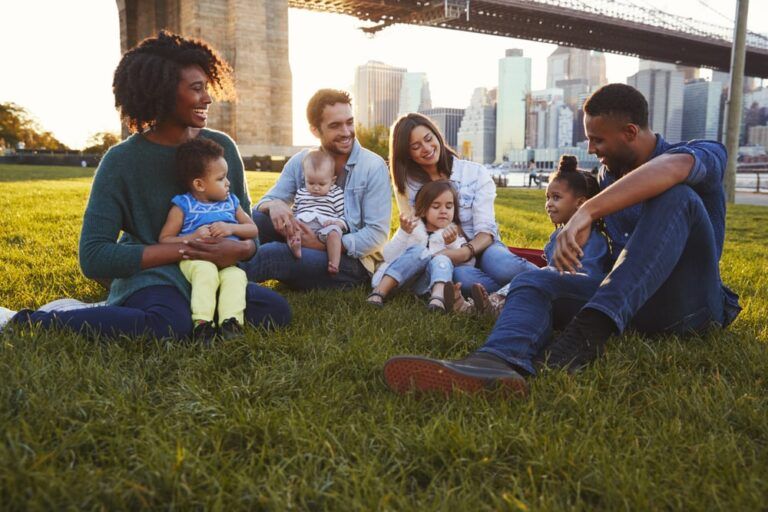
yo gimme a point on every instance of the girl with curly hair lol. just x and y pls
(163, 88)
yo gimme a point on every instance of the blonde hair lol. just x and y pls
(315, 159)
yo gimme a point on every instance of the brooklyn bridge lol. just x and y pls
(253, 36)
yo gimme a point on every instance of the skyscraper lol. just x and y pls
(567, 63)
(701, 110)
(447, 120)
(663, 88)
(476, 138)
(376, 93)
(414, 94)
(547, 120)
(514, 84)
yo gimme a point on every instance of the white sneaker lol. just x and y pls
(67, 304)
(5, 315)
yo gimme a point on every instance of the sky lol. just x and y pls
(59, 57)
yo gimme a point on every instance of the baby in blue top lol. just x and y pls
(569, 188)
(208, 209)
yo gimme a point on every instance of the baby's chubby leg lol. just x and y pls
(333, 246)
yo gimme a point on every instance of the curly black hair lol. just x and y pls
(581, 183)
(193, 157)
(619, 100)
(147, 77)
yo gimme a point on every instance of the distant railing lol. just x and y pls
(757, 169)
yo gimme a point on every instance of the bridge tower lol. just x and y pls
(253, 36)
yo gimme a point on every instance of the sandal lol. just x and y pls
(375, 303)
(481, 299)
(445, 302)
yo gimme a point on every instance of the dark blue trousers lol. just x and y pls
(158, 311)
(666, 280)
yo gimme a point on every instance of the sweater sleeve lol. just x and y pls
(396, 245)
(100, 254)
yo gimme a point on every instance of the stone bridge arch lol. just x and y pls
(253, 36)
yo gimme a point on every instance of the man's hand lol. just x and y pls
(282, 219)
(223, 252)
(221, 229)
(570, 240)
(408, 223)
(309, 239)
(335, 222)
(450, 234)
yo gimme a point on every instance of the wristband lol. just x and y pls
(471, 249)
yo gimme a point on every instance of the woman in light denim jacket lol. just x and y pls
(418, 154)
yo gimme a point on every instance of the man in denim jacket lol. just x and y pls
(664, 211)
(367, 207)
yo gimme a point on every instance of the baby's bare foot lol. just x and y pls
(294, 244)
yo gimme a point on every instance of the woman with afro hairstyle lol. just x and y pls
(163, 88)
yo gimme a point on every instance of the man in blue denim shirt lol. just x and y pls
(367, 207)
(664, 210)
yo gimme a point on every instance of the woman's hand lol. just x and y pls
(223, 252)
(408, 223)
(570, 240)
(457, 256)
(450, 234)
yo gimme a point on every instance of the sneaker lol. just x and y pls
(204, 332)
(67, 304)
(5, 316)
(582, 341)
(478, 372)
(230, 329)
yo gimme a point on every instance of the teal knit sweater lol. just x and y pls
(129, 202)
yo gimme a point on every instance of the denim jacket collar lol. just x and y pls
(353, 156)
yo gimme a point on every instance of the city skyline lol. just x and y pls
(71, 94)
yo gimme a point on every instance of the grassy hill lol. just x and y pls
(301, 418)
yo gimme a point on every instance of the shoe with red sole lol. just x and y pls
(478, 372)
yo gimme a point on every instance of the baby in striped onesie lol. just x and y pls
(320, 205)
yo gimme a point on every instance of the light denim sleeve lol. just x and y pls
(286, 186)
(483, 216)
(377, 210)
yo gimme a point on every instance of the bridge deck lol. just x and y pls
(549, 23)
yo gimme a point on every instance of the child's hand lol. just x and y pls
(221, 229)
(334, 222)
(408, 223)
(203, 231)
(450, 234)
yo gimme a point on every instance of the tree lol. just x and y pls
(17, 125)
(100, 142)
(375, 139)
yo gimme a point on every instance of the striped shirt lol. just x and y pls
(329, 205)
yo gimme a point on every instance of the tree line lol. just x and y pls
(18, 127)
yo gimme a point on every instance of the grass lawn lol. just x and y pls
(301, 418)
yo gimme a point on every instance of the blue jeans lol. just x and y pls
(666, 280)
(274, 260)
(495, 267)
(417, 273)
(158, 311)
